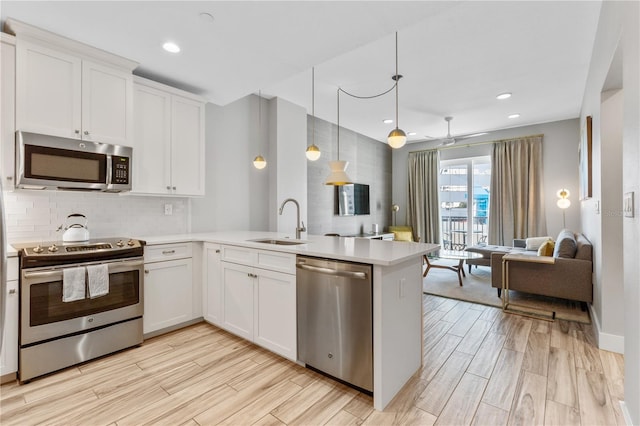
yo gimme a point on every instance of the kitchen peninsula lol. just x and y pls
(397, 292)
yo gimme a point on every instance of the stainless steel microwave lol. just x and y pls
(50, 162)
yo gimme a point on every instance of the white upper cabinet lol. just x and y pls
(7, 110)
(169, 140)
(67, 89)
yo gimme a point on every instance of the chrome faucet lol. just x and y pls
(299, 228)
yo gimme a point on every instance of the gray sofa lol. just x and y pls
(570, 277)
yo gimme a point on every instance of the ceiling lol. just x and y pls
(455, 56)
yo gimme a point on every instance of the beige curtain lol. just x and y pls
(423, 213)
(516, 208)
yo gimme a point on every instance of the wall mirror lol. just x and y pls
(351, 200)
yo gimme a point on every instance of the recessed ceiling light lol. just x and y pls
(514, 116)
(411, 134)
(387, 121)
(502, 96)
(171, 47)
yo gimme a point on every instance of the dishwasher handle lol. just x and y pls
(334, 272)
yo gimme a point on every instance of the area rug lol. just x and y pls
(477, 289)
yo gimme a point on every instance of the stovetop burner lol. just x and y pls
(56, 252)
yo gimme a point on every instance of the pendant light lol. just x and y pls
(313, 152)
(259, 162)
(338, 174)
(397, 138)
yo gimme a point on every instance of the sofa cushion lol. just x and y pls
(566, 245)
(402, 236)
(584, 249)
(546, 249)
(534, 243)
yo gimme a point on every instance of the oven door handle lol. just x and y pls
(56, 272)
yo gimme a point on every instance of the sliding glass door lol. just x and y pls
(464, 201)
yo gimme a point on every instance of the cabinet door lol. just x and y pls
(275, 312)
(7, 109)
(9, 355)
(187, 146)
(107, 101)
(168, 294)
(212, 289)
(237, 293)
(48, 91)
(152, 141)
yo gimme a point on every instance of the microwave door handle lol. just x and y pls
(109, 171)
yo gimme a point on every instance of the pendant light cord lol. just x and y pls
(313, 105)
(259, 119)
(397, 78)
(338, 124)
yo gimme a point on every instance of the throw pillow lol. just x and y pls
(546, 249)
(565, 245)
(534, 243)
(402, 236)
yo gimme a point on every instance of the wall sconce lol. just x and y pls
(563, 203)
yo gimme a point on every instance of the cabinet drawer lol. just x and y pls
(276, 261)
(12, 268)
(167, 252)
(241, 255)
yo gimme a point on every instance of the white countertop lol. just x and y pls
(362, 250)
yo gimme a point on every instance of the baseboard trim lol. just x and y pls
(606, 341)
(625, 413)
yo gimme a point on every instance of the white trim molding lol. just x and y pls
(606, 341)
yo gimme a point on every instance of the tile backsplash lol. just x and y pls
(36, 215)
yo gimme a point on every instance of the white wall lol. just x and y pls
(618, 31)
(560, 157)
(288, 176)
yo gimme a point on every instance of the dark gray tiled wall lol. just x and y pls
(369, 163)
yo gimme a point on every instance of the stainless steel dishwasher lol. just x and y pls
(335, 333)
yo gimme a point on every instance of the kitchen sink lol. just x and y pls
(280, 242)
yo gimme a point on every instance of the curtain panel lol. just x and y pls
(516, 209)
(423, 212)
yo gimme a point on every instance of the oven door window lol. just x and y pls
(46, 305)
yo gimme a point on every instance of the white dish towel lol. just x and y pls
(73, 284)
(98, 280)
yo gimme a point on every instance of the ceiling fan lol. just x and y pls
(450, 140)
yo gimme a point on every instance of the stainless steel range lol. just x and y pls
(78, 301)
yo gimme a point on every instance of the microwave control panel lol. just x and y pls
(120, 167)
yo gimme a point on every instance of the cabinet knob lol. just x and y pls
(218, 251)
(77, 132)
(86, 132)
(12, 291)
(174, 188)
(169, 188)
(146, 271)
(9, 178)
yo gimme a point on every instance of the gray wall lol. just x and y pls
(560, 157)
(369, 163)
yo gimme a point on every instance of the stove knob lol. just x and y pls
(131, 243)
(120, 243)
(38, 249)
(53, 248)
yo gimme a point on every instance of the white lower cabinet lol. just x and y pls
(212, 288)
(9, 355)
(255, 303)
(168, 287)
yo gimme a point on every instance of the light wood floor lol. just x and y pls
(481, 367)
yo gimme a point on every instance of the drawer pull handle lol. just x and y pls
(12, 291)
(218, 251)
(168, 252)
